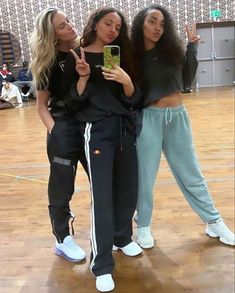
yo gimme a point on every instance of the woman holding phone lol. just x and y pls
(105, 99)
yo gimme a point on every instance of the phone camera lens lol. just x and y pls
(114, 51)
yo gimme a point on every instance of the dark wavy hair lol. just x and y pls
(169, 46)
(123, 40)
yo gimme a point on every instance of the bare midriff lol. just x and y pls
(172, 100)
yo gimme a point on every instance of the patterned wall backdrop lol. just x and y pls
(17, 16)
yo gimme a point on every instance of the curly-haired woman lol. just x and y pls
(162, 68)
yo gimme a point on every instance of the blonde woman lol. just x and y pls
(53, 37)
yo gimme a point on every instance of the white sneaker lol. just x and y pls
(18, 106)
(70, 250)
(220, 229)
(104, 283)
(144, 237)
(131, 249)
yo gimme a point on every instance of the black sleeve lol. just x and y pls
(74, 93)
(135, 98)
(74, 101)
(190, 65)
(41, 86)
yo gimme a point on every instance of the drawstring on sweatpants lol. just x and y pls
(166, 115)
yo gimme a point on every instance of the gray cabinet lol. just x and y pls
(224, 72)
(216, 54)
(204, 73)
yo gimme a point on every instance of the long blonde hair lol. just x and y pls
(43, 47)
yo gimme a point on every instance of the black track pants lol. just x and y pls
(112, 165)
(65, 148)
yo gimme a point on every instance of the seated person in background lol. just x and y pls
(5, 74)
(24, 82)
(10, 97)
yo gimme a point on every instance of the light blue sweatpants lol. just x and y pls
(168, 129)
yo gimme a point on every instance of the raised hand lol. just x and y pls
(116, 73)
(192, 34)
(82, 67)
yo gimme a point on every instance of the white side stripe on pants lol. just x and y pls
(87, 136)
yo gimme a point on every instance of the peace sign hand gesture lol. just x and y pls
(192, 34)
(82, 67)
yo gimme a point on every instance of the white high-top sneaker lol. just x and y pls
(104, 283)
(144, 237)
(70, 250)
(220, 229)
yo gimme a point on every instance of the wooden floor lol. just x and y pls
(184, 258)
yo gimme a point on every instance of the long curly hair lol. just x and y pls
(43, 47)
(169, 46)
(123, 40)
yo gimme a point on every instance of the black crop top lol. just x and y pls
(101, 98)
(162, 79)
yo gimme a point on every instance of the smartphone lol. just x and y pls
(111, 56)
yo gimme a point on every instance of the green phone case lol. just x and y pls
(111, 56)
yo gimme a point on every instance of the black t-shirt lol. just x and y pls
(60, 81)
(101, 98)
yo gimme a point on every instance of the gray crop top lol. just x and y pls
(162, 79)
